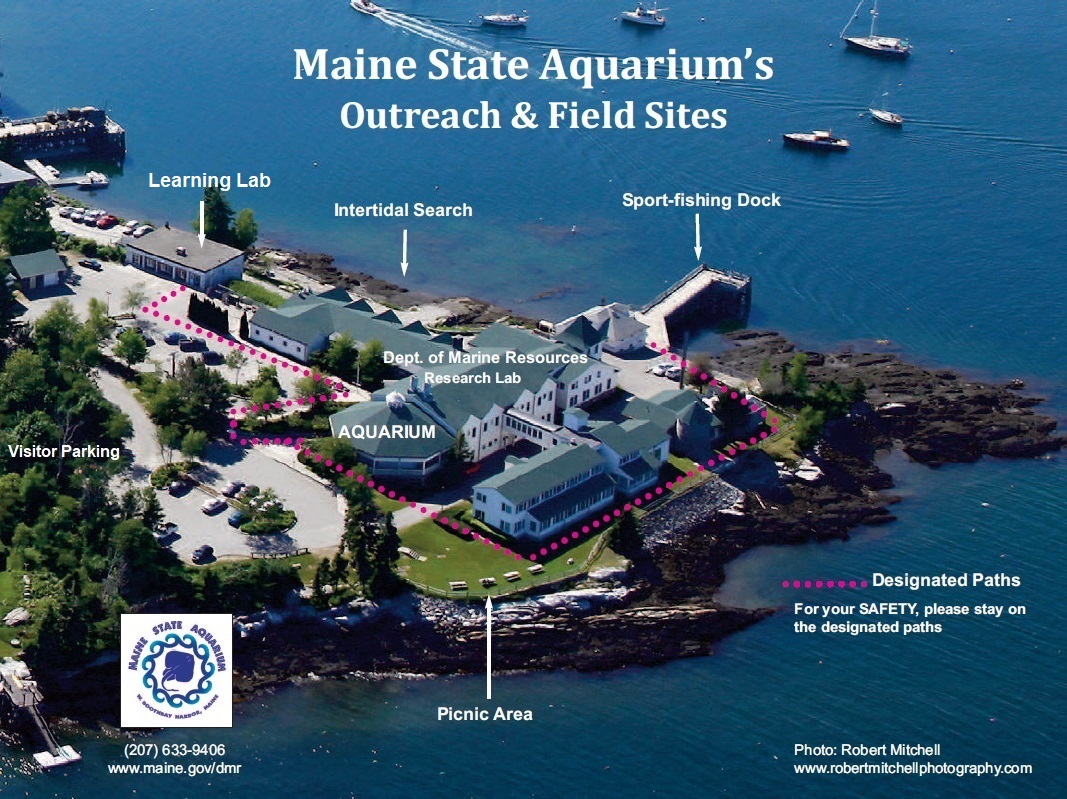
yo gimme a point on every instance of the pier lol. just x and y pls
(21, 695)
(75, 133)
(50, 179)
(703, 298)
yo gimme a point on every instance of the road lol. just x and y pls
(142, 443)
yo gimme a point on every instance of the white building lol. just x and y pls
(177, 255)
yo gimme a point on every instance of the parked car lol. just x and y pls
(244, 492)
(177, 488)
(165, 530)
(106, 221)
(130, 226)
(660, 369)
(192, 345)
(673, 372)
(203, 553)
(66, 211)
(174, 337)
(212, 358)
(212, 506)
(237, 518)
(232, 487)
(77, 215)
(142, 230)
(91, 263)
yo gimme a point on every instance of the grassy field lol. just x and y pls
(386, 505)
(10, 598)
(450, 557)
(256, 292)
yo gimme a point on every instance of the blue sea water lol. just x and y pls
(944, 237)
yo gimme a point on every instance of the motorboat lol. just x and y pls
(94, 180)
(366, 7)
(644, 16)
(504, 20)
(816, 140)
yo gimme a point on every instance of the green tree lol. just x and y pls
(372, 362)
(807, 426)
(151, 508)
(625, 536)
(134, 298)
(24, 383)
(265, 394)
(796, 374)
(194, 443)
(245, 231)
(218, 216)
(243, 327)
(319, 583)
(24, 223)
(169, 438)
(9, 306)
(130, 347)
(341, 357)
(461, 452)
(236, 360)
(97, 322)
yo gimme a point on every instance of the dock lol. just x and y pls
(22, 695)
(703, 298)
(49, 179)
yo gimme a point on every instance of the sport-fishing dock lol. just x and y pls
(703, 298)
(20, 697)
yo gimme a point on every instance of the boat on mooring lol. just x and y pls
(93, 180)
(816, 140)
(888, 46)
(644, 16)
(505, 20)
(884, 116)
(366, 7)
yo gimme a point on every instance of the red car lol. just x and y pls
(106, 221)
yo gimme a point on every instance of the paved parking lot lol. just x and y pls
(319, 512)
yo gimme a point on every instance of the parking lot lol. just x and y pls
(319, 513)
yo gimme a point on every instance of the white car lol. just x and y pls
(130, 226)
(142, 230)
(212, 506)
(77, 215)
(66, 211)
(673, 372)
(660, 369)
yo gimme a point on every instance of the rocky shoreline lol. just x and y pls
(665, 607)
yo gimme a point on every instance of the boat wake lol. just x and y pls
(418, 26)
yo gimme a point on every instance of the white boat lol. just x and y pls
(94, 180)
(888, 46)
(644, 16)
(817, 140)
(504, 20)
(366, 7)
(884, 116)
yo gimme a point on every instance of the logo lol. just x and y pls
(176, 670)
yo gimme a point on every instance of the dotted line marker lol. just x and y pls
(824, 584)
(593, 526)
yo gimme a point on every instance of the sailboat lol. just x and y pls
(888, 46)
(884, 116)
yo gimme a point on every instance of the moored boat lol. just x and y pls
(886, 117)
(888, 46)
(644, 16)
(816, 140)
(504, 20)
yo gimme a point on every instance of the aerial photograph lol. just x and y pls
(490, 400)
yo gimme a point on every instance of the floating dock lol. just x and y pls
(703, 298)
(87, 181)
(21, 694)
(75, 133)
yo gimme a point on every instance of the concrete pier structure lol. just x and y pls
(703, 298)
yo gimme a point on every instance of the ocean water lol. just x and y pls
(944, 238)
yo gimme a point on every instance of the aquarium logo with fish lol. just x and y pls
(176, 670)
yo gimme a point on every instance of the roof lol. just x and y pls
(375, 414)
(580, 334)
(670, 406)
(621, 326)
(35, 264)
(630, 436)
(10, 174)
(164, 243)
(306, 318)
(641, 468)
(543, 472)
(569, 500)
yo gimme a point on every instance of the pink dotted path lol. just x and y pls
(157, 310)
(824, 584)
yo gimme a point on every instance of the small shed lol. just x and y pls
(38, 270)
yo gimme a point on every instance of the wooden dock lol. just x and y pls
(703, 298)
(42, 172)
(21, 692)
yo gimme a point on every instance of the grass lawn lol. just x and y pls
(386, 505)
(11, 598)
(449, 557)
(256, 292)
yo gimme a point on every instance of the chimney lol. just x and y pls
(414, 384)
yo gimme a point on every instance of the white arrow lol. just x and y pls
(488, 648)
(698, 248)
(404, 256)
(203, 235)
